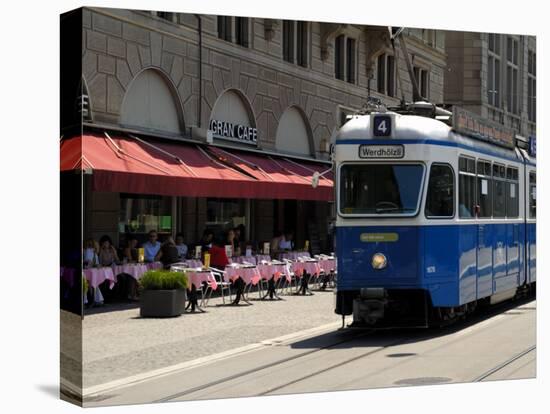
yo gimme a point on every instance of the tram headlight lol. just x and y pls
(379, 261)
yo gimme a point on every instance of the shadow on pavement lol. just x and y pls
(356, 338)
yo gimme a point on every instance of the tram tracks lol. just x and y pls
(300, 367)
(505, 364)
(401, 340)
(226, 379)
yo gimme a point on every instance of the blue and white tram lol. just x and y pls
(430, 222)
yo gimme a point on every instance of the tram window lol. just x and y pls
(532, 195)
(484, 189)
(467, 165)
(380, 188)
(499, 206)
(499, 190)
(512, 192)
(466, 196)
(440, 200)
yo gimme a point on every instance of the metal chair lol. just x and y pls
(219, 275)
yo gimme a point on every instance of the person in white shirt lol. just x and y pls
(181, 246)
(286, 241)
(90, 254)
(151, 247)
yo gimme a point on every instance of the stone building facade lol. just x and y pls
(119, 44)
(493, 75)
(171, 75)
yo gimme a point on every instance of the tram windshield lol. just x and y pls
(377, 189)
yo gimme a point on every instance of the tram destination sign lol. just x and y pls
(381, 151)
(468, 123)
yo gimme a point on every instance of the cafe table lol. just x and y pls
(304, 269)
(97, 275)
(242, 274)
(154, 265)
(195, 278)
(294, 255)
(328, 266)
(251, 259)
(193, 263)
(272, 272)
(136, 270)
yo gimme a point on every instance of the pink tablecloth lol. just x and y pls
(251, 259)
(293, 255)
(153, 265)
(248, 274)
(136, 270)
(196, 277)
(327, 265)
(312, 268)
(97, 275)
(276, 270)
(194, 263)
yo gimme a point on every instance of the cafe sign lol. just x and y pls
(234, 132)
(483, 129)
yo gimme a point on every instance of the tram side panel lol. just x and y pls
(531, 251)
(441, 267)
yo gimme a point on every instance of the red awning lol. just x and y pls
(277, 171)
(125, 164)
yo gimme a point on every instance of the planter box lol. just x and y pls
(162, 303)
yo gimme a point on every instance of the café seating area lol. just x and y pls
(244, 280)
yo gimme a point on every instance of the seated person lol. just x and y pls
(90, 255)
(151, 247)
(131, 251)
(274, 243)
(181, 246)
(286, 241)
(168, 253)
(206, 240)
(107, 252)
(218, 257)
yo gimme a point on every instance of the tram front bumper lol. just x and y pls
(370, 306)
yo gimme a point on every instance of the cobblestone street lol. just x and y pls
(119, 343)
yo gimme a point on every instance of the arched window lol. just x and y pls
(233, 119)
(294, 133)
(151, 102)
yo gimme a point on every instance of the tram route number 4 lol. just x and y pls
(382, 126)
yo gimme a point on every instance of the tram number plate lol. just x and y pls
(382, 126)
(381, 151)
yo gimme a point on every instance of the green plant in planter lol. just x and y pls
(163, 280)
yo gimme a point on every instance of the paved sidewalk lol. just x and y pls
(118, 344)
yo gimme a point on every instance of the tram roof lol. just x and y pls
(416, 127)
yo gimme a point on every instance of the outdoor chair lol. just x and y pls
(223, 286)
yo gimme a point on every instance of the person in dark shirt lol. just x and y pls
(131, 251)
(206, 240)
(168, 253)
